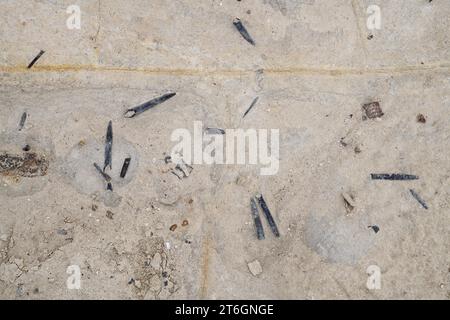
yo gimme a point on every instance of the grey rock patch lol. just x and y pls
(79, 171)
(168, 188)
(339, 239)
(255, 268)
(109, 198)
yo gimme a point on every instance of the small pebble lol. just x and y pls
(421, 118)
(255, 268)
(373, 110)
(156, 261)
(109, 214)
(348, 198)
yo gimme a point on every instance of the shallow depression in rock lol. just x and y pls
(338, 239)
(79, 171)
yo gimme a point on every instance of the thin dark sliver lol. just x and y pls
(243, 31)
(257, 220)
(394, 176)
(251, 106)
(418, 198)
(180, 169)
(22, 121)
(215, 131)
(125, 166)
(268, 215)
(108, 147)
(130, 113)
(36, 59)
(176, 174)
(104, 175)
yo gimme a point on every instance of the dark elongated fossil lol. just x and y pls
(36, 59)
(108, 147)
(125, 166)
(393, 176)
(243, 31)
(130, 113)
(214, 131)
(418, 198)
(268, 215)
(105, 176)
(251, 106)
(256, 219)
(22, 121)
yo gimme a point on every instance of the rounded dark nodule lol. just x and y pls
(421, 118)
